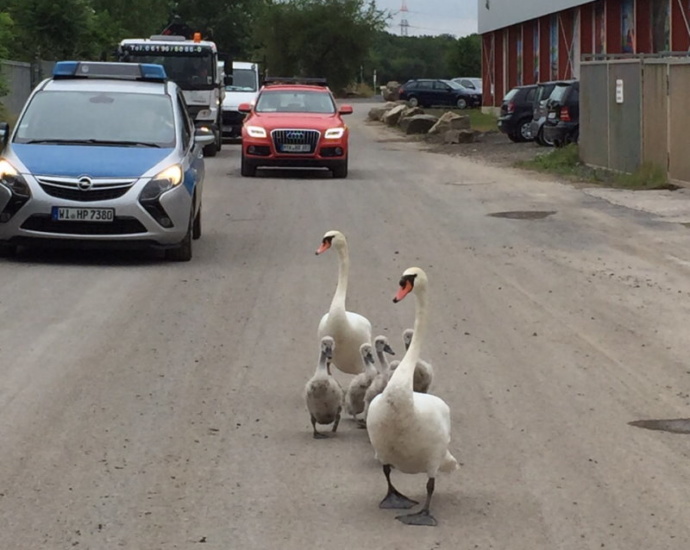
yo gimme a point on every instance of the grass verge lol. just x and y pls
(566, 162)
(480, 121)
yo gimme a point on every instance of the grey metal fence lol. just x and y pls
(634, 111)
(21, 78)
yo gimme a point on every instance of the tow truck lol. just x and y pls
(193, 64)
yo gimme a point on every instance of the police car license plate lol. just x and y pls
(296, 148)
(72, 214)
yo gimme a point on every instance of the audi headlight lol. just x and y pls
(334, 133)
(256, 131)
(162, 182)
(13, 180)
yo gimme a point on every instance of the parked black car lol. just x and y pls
(517, 110)
(544, 90)
(562, 124)
(427, 92)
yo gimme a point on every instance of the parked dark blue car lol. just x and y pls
(428, 92)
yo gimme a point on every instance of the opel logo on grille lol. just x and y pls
(84, 183)
(295, 135)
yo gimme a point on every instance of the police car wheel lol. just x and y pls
(7, 249)
(196, 229)
(183, 251)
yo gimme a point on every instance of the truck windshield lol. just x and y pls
(190, 72)
(243, 80)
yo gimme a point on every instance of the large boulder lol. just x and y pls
(377, 112)
(391, 91)
(459, 136)
(411, 111)
(450, 121)
(418, 124)
(393, 116)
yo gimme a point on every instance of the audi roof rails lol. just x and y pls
(314, 81)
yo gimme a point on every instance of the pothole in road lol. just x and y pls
(524, 214)
(676, 426)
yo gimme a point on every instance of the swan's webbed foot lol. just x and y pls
(335, 424)
(395, 499)
(423, 517)
(361, 424)
(317, 434)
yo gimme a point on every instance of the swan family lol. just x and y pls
(409, 428)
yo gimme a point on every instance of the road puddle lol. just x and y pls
(524, 214)
(676, 426)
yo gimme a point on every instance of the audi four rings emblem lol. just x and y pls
(84, 183)
(295, 135)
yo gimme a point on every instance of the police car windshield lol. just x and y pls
(97, 118)
(283, 101)
(243, 80)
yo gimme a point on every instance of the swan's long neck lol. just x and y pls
(322, 368)
(383, 365)
(403, 376)
(338, 302)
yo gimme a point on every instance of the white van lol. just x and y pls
(241, 87)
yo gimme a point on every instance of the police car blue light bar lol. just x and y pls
(120, 71)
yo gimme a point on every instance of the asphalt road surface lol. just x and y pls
(150, 405)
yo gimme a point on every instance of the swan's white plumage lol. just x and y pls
(349, 330)
(423, 372)
(411, 431)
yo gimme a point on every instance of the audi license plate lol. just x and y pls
(72, 214)
(296, 148)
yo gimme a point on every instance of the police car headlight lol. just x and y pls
(256, 131)
(162, 182)
(204, 114)
(13, 180)
(334, 133)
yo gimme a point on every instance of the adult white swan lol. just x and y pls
(349, 330)
(411, 431)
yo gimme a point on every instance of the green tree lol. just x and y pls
(229, 23)
(5, 40)
(322, 38)
(466, 58)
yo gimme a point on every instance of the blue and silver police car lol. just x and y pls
(103, 154)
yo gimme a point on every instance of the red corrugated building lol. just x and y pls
(546, 39)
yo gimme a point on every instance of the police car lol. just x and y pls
(103, 154)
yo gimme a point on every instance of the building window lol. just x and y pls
(600, 27)
(536, 49)
(519, 58)
(553, 62)
(661, 26)
(628, 26)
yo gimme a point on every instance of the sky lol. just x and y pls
(433, 17)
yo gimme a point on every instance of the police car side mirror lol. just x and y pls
(204, 136)
(228, 80)
(4, 134)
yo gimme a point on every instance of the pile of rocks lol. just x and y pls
(453, 128)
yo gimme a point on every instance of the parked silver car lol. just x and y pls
(103, 154)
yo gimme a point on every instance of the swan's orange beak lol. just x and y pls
(404, 291)
(325, 245)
